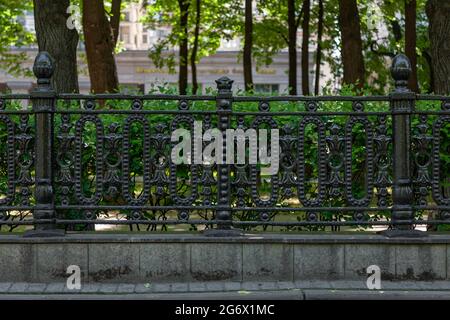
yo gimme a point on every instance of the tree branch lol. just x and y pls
(299, 18)
(378, 52)
(280, 33)
(115, 19)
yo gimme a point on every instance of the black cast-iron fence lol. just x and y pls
(74, 161)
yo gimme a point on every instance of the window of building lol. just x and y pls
(267, 88)
(127, 17)
(144, 39)
(125, 35)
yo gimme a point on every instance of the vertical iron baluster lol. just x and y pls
(224, 104)
(224, 110)
(402, 104)
(44, 98)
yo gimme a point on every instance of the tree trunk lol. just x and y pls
(195, 48)
(292, 48)
(99, 47)
(305, 47)
(319, 48)
(438, 12)
(410, 42)
(352, 57)
(115, 19)
(59, 41)
(184, 50)
(426, 54)
(248, 45)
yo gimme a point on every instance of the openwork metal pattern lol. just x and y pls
(78, 162)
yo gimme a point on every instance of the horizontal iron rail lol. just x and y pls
(214, 97)
(145, 207)
(17, 208)
(311, 98)
(192, 208)
(69, 96)
(432, 97)
(24, 96)
(64, 96)
(221, 222)
(29, 112)
(437, 112)
(132, 97)
(236, 113)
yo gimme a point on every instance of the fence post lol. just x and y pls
(224, 101)
(402, 102)
(43, 99)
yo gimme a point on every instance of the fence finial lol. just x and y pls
(400, 71)
(43, 68)
(224, 85)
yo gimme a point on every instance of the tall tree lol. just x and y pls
(100, 45)
(410, 42)
(438, 12)
(305, 46)
(197, 34)
(274, 30)
(195, 46)
(292, 47)
(248, 45)
(351, 43)
(184, 49)
(319, 47)
(59, 41)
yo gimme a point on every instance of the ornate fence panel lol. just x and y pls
(76, 162)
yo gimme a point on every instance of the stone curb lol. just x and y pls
(257, 238)
(313, 288)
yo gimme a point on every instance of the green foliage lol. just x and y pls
(382, 29)
(13, 34)
(217, 22)
(271, 30)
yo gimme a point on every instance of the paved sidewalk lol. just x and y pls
(300, 290)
